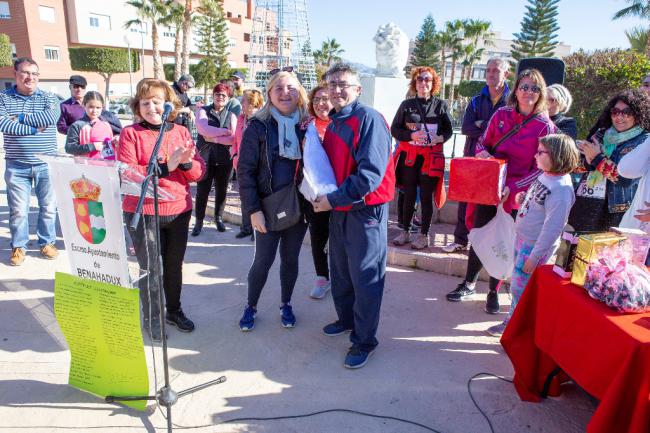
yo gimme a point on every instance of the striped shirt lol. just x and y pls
(20, 118)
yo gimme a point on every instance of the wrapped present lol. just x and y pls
(477, 180)
(619, 283)
(566, 254)
(639, 241)
(588, 250)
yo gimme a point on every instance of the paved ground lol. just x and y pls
(428, 350)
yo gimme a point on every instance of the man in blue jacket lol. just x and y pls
(358, 145)
(477, 115)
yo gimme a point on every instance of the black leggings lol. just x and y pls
(173, 242)
(319, 232)
(411, 178)
(482, 215)
(220, 175)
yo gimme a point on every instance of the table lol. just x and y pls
(558, 326)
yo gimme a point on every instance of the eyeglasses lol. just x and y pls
(220, 95)
(33, 74)
(341, 85)
(276, 70)
(424, 80)
(541, 152)
(78, 86)
(317, 100)
(627, 112)
(527, 88)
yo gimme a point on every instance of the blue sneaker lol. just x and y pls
(356, 358)
(247, 321)
(335, 328)
(288, 318)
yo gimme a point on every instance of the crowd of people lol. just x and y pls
(552, 179)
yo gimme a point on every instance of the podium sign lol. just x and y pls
(90, 212)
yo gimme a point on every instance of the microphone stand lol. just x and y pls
(166, 396)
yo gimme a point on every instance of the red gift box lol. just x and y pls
(477, 180)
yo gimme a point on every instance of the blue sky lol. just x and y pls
(583, 23)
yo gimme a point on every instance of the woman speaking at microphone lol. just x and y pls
(421, 125)
(179, 165)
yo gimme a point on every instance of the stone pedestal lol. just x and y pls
(384, 94)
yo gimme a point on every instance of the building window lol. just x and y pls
(229, 14)
(5, 14)
(14, 54)
(245, 58)
(100, 21)
(169, 34)
(233, 43)
(247, 37)
(52, 54)
(46, 13)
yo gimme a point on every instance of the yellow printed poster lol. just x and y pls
(101, 324)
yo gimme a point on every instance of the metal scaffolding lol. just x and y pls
(279, 39)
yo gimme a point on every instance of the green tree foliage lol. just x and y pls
(476, 31)
(538, 35)
(638, 39)
(5, 50)
(174, 19)
(640, 9)
(593, 78)
(427, 48)
(104, 61)
(213, 44)
(469, 89)
(330, 52)
(154, 13)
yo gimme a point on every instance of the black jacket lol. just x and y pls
(261, 170)
(566, 125)
(182, 118)
(434, 110)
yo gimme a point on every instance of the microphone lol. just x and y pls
(168, 109)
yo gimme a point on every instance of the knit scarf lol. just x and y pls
(612, 139)
(287, 138)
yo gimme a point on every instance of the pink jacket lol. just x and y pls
(518, 150)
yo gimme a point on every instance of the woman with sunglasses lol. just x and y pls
(526, 110)
(216, 126)
(421, 125)
(603, 195)
(269, 161)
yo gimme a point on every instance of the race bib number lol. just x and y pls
(595, 191)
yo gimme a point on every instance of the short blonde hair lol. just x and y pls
(303, 100)
(146, 87)
(562, 152)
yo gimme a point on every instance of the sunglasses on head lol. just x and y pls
(527, 88)
(627, 112)
(276, 70)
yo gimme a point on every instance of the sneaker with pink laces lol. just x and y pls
(321, 287)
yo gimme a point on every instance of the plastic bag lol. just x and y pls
(318, 176)
(619, 283)
(494, 244)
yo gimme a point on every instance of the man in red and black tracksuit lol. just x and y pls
(358, 144)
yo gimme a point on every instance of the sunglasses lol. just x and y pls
(272, 72)
(78, 86)
(424, 80)
(527, 88)
(627, 112)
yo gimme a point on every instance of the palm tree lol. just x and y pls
(445, 41)
(456, 33)
(329, 52)
(175, 19)
(637, 8)
(475, 32)
(638, 39)
(187, 31)
(151, 11)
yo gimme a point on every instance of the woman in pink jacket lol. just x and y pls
(526, 110)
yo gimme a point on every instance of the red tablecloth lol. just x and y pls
(557, 324)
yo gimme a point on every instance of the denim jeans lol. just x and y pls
(20, 178)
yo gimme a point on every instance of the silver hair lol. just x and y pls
(345, 68)
(502, 63)
(562, 95)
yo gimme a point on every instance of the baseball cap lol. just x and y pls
(78, 80)
(187, 78)
(238, 74)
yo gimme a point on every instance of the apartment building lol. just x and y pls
(45, 29)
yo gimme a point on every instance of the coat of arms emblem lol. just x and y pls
(88, 212)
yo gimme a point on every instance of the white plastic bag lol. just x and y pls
(494, 244)
(318, 176)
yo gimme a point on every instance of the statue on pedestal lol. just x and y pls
(391, 51)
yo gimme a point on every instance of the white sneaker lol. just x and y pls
(497, 330)
(321, 287)
(402, 239)
(454, 248)
(421, 242)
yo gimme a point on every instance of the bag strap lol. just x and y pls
(417, 103)
(513, 131)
